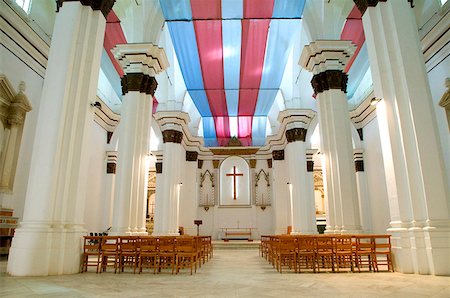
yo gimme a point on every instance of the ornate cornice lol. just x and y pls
(234, 151)
(296, 134)
(329, 79)
(138, 82)
(278, 154)
(172, 136)
(252, 163)
(104, 6)
(191, 155)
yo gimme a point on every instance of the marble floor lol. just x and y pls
(231, 273)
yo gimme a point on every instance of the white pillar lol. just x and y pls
(326, 59)
(111, 167)
(363, 191)
(280, 194)
(189, 194)
(303, 206)
(412, 153)
(48, 241)
(168, 203)
(141, 63)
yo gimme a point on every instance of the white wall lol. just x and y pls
(373, 166)
(16, 71)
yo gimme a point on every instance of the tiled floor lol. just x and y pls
(231, 273)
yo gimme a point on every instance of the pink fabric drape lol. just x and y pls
(113, 35)
(353, 30)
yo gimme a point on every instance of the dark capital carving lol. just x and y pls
(296, 134)
(138, 82)
(360, 133)
(104, 6)
(278, 154)
(158, 166)
(329, 79)
(359, 165)
(310, 166)
(110, 168)
(200, 164)
(172, 136)
(269, 163)
(252, 163)
(109, 135)
(216, 163)
(363, 4)
(191, 155)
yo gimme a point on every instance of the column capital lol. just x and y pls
(191, 155)
(329, 79)
(138, 82)
(363, 4)
(322, 55)
(104, 6)
(172, 136)
(143, 58)
(296, 134)
(278, 154)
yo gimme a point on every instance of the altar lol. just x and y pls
(228, 234)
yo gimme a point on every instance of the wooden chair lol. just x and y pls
(343, 250)
(382, 254)
(286, 253)
(325, 252)
(306, 253)
(110, 252)
(364, 252)
(166, 255)
(186, 253)
(128, 253)
(91, 253)
(263, 246)
(148, 253)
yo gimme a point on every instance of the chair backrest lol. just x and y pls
(149, 244)
(128, 243)
(364, 243)
(185, 244)
(306, 244)
(324, 244)
(91, 244)
(381, 243)
(343, 243)
(167, 244)
(110, 243)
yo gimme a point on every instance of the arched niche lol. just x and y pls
(234, 182)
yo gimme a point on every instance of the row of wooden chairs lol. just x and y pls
(140, 252)
(329, 252)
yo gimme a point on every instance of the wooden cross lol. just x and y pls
(234, 174)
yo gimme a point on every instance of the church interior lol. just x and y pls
(231, 120)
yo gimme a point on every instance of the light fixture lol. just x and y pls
(96, 104)
(374, 101)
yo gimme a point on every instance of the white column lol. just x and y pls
(303, 207)
(412, 153)
(111, 167)
(168, 204)
(326, 59)
(189, 194)
(280, 194)
(159, 195)
(363, 191)
(141, 63)
(48, 241)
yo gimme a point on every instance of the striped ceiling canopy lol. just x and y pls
(232, 54)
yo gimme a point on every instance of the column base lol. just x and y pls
(437, 241)
(42, 249)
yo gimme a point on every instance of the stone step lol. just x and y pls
(236, 244)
